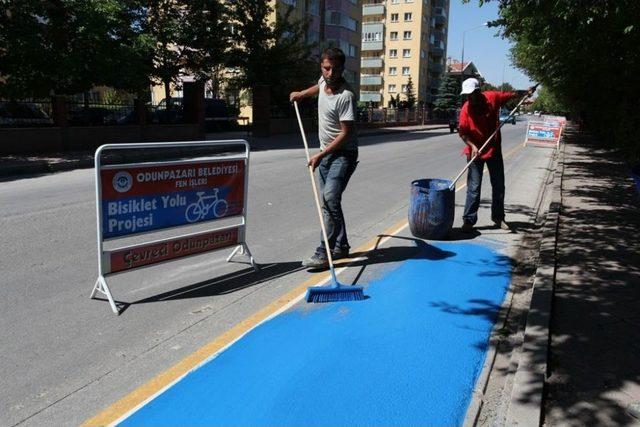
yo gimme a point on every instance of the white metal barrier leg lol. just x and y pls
(243, 249)
(101, 286)
(248, 253)
(235, 251)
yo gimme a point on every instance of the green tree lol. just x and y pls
(586, 54)
(205, 34)
(548, 103)
(448, 98)
(271, 54)
(411, 97)
(68, 46)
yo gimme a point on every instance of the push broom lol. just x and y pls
(335, 291)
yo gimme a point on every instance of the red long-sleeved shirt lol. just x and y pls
(477, 124)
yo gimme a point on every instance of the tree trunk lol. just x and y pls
(167, 95)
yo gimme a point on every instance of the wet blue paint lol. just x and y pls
(408, 355)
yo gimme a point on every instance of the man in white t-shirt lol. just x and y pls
(338, 156)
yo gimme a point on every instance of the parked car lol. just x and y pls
(505, 118)
(453, 121)
(89, 116)
(216, 113)
(22, 114)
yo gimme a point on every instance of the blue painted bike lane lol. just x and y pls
(410, 354)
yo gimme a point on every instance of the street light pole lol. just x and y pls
(486, 24)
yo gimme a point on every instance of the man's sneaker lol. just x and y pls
(338, 253)
(467, 227)
(502, 225)
(316, 260)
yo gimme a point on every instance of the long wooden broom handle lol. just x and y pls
(453, 184)
(315, 193)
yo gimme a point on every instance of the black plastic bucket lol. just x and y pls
(431, 208)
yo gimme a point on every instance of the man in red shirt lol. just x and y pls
(478, 120)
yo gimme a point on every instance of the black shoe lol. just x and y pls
(316, 260)
(339, 253)
(467, 227)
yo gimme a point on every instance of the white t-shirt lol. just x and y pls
(333, 109)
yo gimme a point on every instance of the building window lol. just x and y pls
(313, 37)
(349, 76)
(392, 88)
(405, 71)
(408, 16)
(404, 89)
(394, 17)
(393, 53)
(393, 71)
(313, 8)
(290, 2)
(395, 1)
(406, 53)
(393, 35)
(372, 37)
(353, 51)
(406, 35)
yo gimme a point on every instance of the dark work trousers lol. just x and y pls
(335, 171)
(474, 183)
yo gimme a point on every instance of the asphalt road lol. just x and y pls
(65, 357)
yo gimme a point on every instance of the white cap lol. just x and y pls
(469, 86)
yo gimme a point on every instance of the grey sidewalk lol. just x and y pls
(15, 165)
(594, 363)
(578, 364)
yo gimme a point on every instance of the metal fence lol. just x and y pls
(25, 113)
(99, 114)
(392, 115)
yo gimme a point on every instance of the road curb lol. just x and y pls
(525, 405)
(478, 394)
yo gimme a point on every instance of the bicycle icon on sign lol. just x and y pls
(199, 209)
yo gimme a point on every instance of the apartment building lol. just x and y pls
(402, 39)
(332, 23)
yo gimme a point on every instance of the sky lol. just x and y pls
(489, 52)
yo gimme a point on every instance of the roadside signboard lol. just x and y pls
(136, 199)
(544, 133)
(141, 198)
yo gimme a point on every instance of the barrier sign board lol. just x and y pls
(543, 133)
(129, 258)
(142, 198)
(135, 199)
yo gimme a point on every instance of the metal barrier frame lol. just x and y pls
(241, 247)
(542, 142)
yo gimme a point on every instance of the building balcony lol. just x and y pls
(369, 46)
(372, 9)
(370, 96)
(435, 67)
(439, 11)
(372, 27)
(371, 63)
(439, 20)
(436, 49)
(438, 34)
(370, 80)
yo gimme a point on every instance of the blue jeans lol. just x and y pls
(474, 182)
(335, 171)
